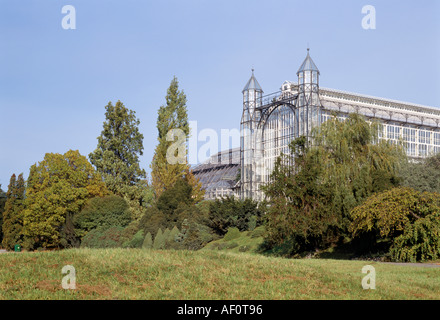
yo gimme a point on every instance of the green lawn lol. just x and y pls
(149, 274)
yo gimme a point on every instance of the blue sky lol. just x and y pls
(55, 83)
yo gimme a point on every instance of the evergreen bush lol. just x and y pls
(103, 238)
(148, 242)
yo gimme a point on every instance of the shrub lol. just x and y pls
(409, 219)
(103, 238)
(423, 175)
(159, 240)
(166, 235)
(130, 231)
(136, 241)
(258, 232)
(390, 212)
(233, 233)
(229, 212)
(231, 245)
(170, 199)
(102, 212)
(252, 223)
(148, 242)
(196, 236)
(152, 221)
(172, 241)
(420, 241)
(172, 236)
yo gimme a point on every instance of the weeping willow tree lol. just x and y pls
(335, 170)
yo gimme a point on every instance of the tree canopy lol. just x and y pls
(57, 189)
(13, 213)
(116, 157)
(170, 157)
(408, 220)
(335, 170)
(2, 209)
(423, 175)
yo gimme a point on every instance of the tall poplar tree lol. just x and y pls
(116, 157)
(13, 215)
(165, 172)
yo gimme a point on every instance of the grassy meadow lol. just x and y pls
(206, 274)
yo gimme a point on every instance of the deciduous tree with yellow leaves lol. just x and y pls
(57, 189)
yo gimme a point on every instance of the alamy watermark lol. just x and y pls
(369, 20)
(369, 281)
(69, 20)
(69, 281)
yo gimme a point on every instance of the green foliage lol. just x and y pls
(116, 157)
(179, 194)
(392, 211)
(104, 238)
(423, 175)
(57, 187)
(175, 209)
(257, 232)
(166, 235)
(148, 242)
(135, 242)
(173, 234)
(409, 219)
(230, 212)
(2, 209)
(232, 233)
(310, 202)
(173, 116)
(159, 240)
(236, 241)
(102, 212)
(252, 223)
(152, 220)
(181, 236)
(420, 241)
(172, 208)
(68, 235)
(14, 205)
(196, 236)
(131, 229)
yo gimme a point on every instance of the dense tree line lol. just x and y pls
(341, 166)
(422, 175)
(2, 209)
(12, 224)
(107, 201)
(346, 188)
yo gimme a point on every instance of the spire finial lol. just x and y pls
(252, 70)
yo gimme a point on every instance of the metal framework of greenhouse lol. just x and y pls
(270, 122)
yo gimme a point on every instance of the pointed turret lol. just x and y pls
(252, 84)
(252, 93)
(308, 64)
(252, 96)
(308, 96)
